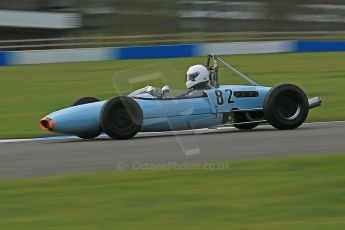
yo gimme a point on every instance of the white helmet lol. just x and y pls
(196, 74)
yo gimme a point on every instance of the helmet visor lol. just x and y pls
(192, 76)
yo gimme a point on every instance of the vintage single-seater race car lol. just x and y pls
(244, 106)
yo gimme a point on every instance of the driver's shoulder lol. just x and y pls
(195, 93)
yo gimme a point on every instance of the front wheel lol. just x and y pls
(286, 106)
(121, 118)
(82, 101)
(85, 100)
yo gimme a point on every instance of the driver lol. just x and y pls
(197, 80)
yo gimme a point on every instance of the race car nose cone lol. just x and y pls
(47, 124)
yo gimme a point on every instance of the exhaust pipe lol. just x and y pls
(314, 102)
(47, 124)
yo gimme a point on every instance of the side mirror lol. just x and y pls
(150, 89)
(165, 89)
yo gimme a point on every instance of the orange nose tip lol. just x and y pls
(47, 123)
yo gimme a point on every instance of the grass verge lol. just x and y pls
(283, 193)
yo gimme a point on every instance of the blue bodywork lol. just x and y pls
(166, 114)
(150, 109)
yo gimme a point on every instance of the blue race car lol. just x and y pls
(244, 106)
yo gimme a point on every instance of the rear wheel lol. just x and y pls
(246, 125)
(286, 106)
(82, 101)
(247, 120)
(121, 118)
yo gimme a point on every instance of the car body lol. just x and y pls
(244, 106)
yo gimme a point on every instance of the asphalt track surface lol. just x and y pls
(64, 156)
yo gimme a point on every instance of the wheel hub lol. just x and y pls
(121, 119)
(289, 108)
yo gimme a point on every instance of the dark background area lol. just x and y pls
(129, 17)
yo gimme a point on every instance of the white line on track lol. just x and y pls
(154, 134)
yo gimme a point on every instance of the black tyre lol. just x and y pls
(286, 106)
(82, 101)
(246, 125)
(85, 100)
(121, 118)
(247, 120)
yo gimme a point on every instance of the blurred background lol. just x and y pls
(90, 23)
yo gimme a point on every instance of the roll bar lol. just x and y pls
(214, 78)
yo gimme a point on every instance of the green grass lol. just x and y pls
(28, 92)
(283, 193)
